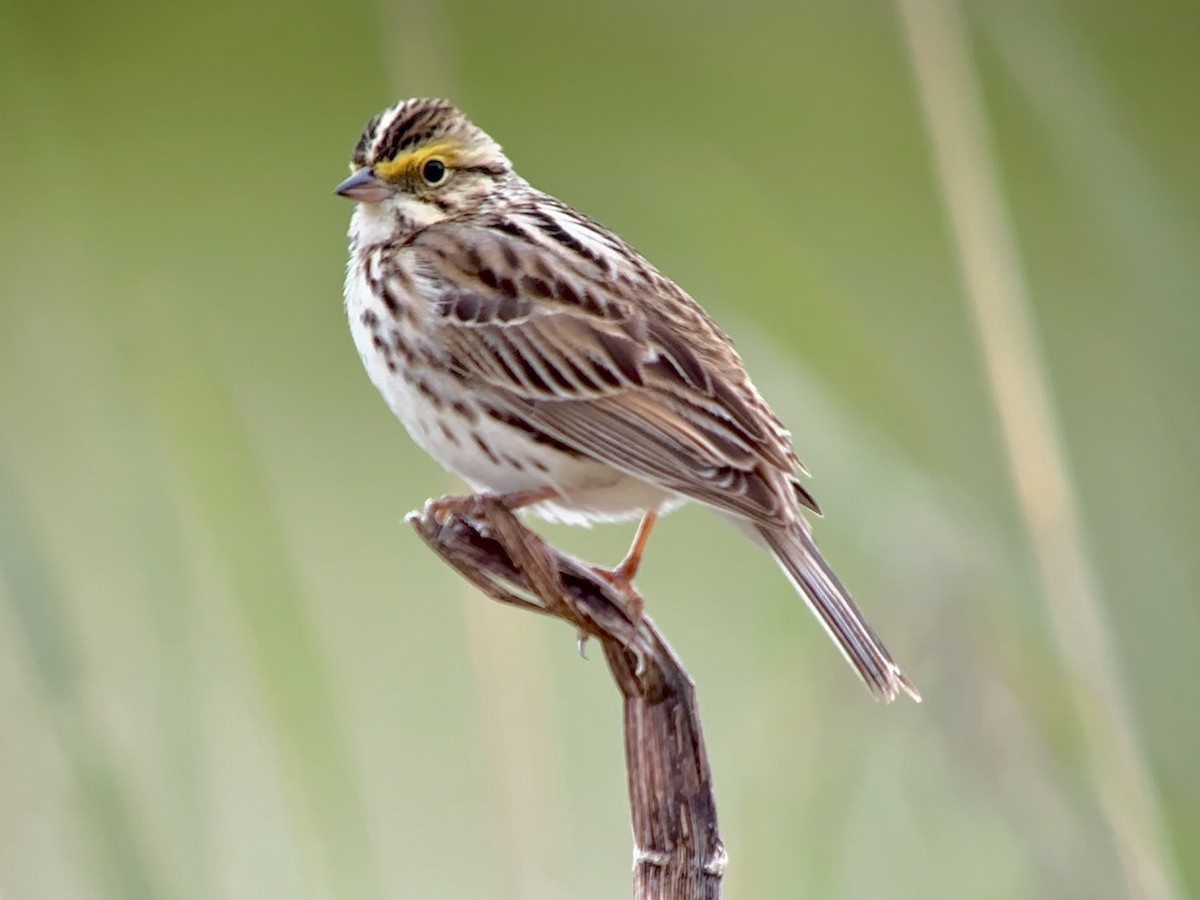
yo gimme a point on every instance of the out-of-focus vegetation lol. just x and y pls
(228, 669)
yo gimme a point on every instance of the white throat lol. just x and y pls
(378, 223)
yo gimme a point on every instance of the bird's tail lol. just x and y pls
(798, 556)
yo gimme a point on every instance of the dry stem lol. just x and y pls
(678, 854)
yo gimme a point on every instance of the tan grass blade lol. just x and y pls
(999, 302)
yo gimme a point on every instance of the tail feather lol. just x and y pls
(798, 556)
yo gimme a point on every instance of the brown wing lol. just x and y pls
(606, 356)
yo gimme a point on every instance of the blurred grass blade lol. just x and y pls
(171, 601)
(1096, 149)
(999, 300)
(214, 455)
(115, 837)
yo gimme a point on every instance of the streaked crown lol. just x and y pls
(398, 143)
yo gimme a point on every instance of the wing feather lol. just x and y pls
(565, 345)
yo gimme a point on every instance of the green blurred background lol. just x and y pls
(229, 669)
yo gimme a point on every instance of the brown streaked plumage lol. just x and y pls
(533, 352)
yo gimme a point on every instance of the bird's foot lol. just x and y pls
(621, 579)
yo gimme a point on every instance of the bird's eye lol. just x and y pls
(434, 171)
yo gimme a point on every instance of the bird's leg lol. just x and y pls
(622, 576)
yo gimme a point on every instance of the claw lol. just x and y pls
(640, 669)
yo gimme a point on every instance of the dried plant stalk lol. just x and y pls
(678, 854)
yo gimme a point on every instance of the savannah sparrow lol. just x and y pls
(534, 353)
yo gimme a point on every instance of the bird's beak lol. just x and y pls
(364, 186)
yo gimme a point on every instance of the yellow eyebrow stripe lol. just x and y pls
(398, 168)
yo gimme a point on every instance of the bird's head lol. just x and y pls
(420, 162)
